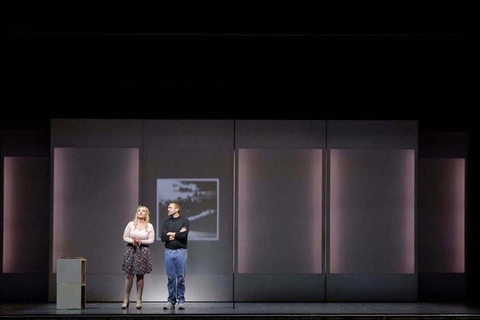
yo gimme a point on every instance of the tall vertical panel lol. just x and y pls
(372, 211)
(191, 161)
(25, 228)
(24, 252)
(442, 220)
(280, 211)
(442, 216)
(96, 188)
(95, 194)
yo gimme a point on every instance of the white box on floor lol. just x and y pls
(71, 283)
(71, 270)
(70, 296)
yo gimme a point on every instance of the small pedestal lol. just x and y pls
(71, 275)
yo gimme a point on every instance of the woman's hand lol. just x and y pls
(183, 229)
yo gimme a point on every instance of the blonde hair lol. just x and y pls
(147, 218)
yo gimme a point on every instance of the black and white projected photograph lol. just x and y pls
(200, 203)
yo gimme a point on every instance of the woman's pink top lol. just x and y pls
(147, 236)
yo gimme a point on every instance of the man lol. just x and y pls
(175, 235)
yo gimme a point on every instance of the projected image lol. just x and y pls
(200, 202)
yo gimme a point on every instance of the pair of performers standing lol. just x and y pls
(139, 235)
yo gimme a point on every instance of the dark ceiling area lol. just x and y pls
(361, 66)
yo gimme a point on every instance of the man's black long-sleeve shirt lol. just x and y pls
(174, 225)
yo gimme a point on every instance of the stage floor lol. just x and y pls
(217, 310)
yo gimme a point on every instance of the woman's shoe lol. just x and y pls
(125, 304)
(139, 304)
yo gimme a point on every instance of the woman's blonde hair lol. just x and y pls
(147, 218)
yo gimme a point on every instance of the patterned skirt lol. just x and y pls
(137, 260)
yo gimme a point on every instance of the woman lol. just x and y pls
(139, 234)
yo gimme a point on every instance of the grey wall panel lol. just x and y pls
(189, 134)
(25, 143)
(31, 193)
(280, 287)
(199, 287)
(96, 133)
(104, 195)
(280, 211)
(206, 287)
(441, 219)
(183, 149)
(284, 187)
(442, 215)
(279, 134)
(443, 145)
(372, 134)
(201, 149)
(442, 286)
(372, 191)
(15, 287)
(26, 210)
(372, 205)
(111, 287)
(205, 257)
(371, 287)
(441, 191)
(95, 196)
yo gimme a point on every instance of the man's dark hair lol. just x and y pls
(179, 206)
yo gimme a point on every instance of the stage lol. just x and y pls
(385, 310)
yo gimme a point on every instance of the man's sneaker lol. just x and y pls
(169, 306)
(181, 306)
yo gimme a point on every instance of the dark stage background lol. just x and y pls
(412, 65)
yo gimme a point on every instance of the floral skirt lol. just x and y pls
(137, 260)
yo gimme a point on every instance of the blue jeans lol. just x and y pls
(176, 265)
